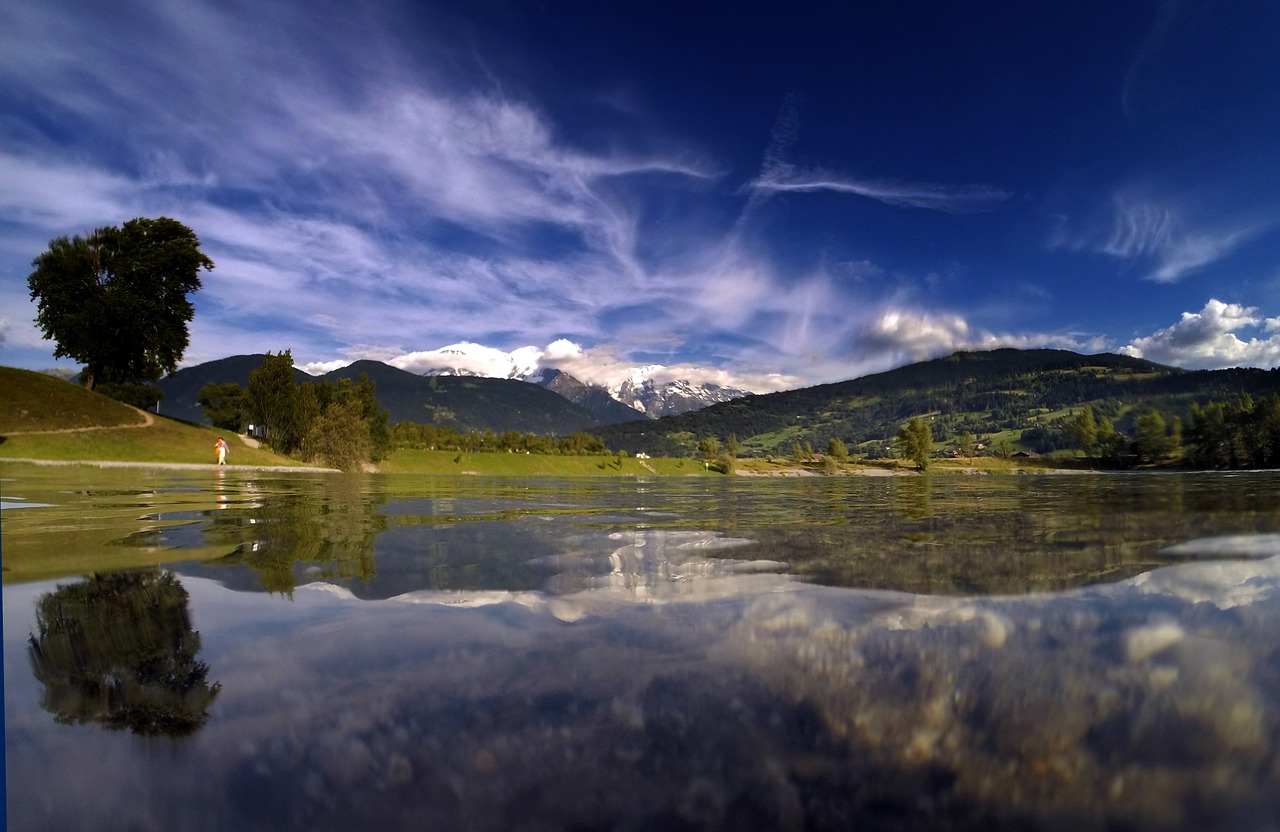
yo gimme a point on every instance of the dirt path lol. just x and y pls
(147, 421)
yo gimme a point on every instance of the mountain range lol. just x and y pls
(637, 390)
(464, 403)
(1018, 391)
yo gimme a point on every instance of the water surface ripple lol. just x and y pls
(185, 651)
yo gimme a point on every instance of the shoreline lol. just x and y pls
(750, 474)
(169, 466)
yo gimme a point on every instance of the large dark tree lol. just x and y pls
(117, 300)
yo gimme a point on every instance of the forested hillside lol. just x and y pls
(982, 393)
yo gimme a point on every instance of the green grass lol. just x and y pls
(165, 441)
(412, 461)
(38, 401)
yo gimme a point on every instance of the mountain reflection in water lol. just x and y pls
(623, 661)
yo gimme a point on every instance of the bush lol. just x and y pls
(339, 436)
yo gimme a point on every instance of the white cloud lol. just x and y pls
(1207, 340)
(601, 366)
(1164, 233)
(951, 199)
(900, 336)
(471, 358)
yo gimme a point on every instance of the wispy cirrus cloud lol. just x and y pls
(778, 175)
(950, 199)
(1161, 233)
(347, 195)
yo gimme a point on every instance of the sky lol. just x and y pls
(761, 195)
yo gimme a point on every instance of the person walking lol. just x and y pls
(221, 447)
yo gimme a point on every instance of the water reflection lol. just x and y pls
(285, 537)
(118, 651)
(1093, 652)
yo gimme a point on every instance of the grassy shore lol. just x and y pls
(408, 461)
(46, 418)
(42, 417)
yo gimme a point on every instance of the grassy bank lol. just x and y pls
(37, 401)
(42, 417)
(164, 441)
(409, 461)
(74, 424)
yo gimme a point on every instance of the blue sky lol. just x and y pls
(763, 195)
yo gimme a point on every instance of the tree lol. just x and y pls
(117, 300)
(915, 442)
(1084, 430)
(118, 650)
(339, 436)
(226, 405)
(274, 402)
(1112, 444)
(732, 446)
(837, 450)
(709, 447)
(966, 443)
(1152, 440)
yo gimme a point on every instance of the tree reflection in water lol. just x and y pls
(332, 529)
(118, 650)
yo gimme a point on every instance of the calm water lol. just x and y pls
(328, 653)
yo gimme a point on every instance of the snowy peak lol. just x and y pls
(671, 398)
(638, 392)
(467, 359)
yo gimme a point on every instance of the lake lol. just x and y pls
(229, 650)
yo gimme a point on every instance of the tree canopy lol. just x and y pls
(117, 300)
(915, 442)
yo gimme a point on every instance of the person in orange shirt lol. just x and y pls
(221, 447)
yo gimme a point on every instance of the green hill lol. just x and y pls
(42, 417)
(984, 393)
(38, 401)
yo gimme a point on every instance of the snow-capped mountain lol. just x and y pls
(638, 392)
(466, 359)
(671, 398)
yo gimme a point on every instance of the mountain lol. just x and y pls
(182, 388)
(470, 402)
(671, 398)
(978, 392)
(638, 392)
(463, 403)
(609, 410)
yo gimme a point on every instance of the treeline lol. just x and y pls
(339, 423)
(1240, 433)
(432, 437)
